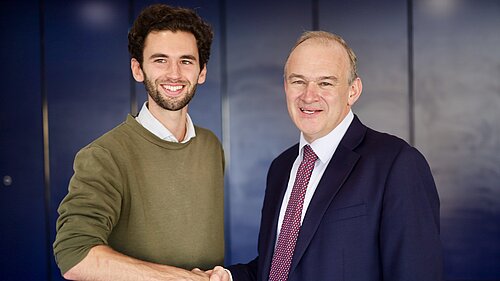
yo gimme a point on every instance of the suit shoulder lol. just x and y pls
(366, 140)
(384, 141)
(387, 146)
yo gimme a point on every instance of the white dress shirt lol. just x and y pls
(324, 148)
(148, 121)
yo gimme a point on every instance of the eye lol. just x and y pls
(160, 60)
(325, 84)
(186, 62)
(297, 82)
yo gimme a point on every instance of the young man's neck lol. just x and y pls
(174, 121)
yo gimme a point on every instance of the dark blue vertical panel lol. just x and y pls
(23, 244)
(87, 81)
(205, 108)
(259, 37)
(457, 91)
(377, 32)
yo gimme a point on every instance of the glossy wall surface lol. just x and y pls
(23, 222)
(457, 102)
(430, 73)
(87, 81)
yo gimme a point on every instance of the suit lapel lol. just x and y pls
(277, 182)
(336, 173)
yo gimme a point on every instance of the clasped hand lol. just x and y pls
(218, 273)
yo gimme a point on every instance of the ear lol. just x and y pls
(135, 66)
(355, 90)
(203, 75)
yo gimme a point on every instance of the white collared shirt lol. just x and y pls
(324, 148)
(148, 121)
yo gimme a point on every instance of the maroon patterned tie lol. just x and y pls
(287, 238)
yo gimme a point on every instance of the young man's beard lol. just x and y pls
(168, 103)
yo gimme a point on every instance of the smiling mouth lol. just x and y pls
(172, 89)
(309, 111)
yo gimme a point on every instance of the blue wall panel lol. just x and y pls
(377, 32)
(457, 91)
(23, 239)
(87, 78)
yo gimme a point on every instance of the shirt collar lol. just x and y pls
(325, 147)
(148, 121)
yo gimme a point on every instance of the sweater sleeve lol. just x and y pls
(90, 209)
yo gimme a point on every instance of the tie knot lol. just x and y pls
(309, 154)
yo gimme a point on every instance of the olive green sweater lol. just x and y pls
(147, 198)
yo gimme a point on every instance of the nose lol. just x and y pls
(173, 71)
(311, 93)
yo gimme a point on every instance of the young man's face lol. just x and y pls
(171, 68)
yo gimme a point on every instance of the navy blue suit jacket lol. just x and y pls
(374, 215)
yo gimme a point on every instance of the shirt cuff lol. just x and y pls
(229, 273)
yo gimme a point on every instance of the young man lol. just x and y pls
(146, 199)
(346, 202)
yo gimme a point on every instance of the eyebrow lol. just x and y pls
(294, 75)
(160, 55)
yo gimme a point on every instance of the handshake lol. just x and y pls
(218, 273)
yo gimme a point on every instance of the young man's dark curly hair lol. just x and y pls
(160, 17)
